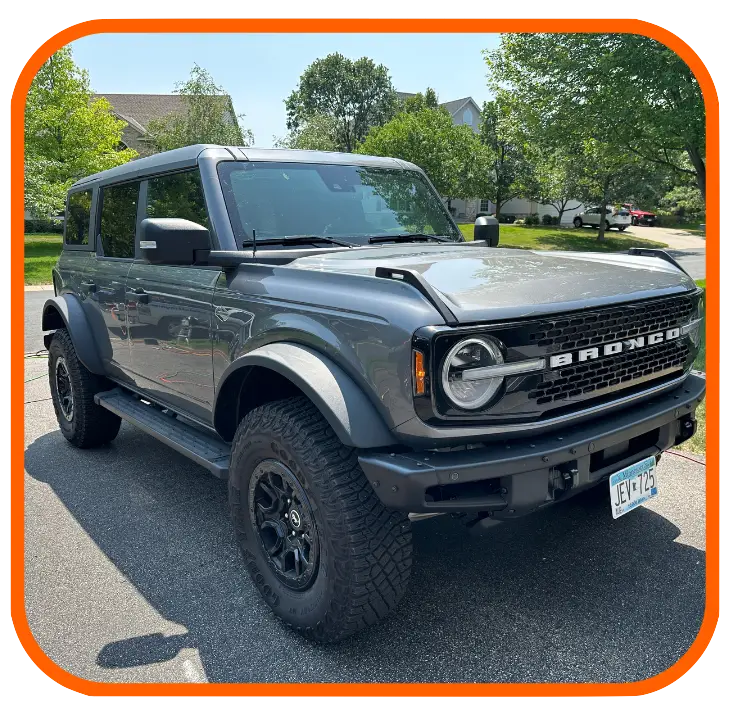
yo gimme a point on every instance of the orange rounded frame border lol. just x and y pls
(70, 34)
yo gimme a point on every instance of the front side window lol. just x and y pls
(118, 220)
(78, 210)
(177, 196)
(278, 200)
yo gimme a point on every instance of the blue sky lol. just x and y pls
(260, 70)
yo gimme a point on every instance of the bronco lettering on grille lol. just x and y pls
(557, 361)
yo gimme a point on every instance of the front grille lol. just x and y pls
(607, 373)
(613, 324)
(542, 395)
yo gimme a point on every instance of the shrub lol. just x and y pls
(546, 219)
(506, 218)
(532, 219)
(43, 225)
(555, 221)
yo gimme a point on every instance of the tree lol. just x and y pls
(554, 178)
(451, 155)
(418, 102)
(319, 133)
(68, 134)
(624, 90)
(508, 173)
(209, 116)
(608, 175)
(355, 95)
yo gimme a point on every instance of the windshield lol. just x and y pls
(282, 199)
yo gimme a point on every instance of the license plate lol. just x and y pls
(633, 486)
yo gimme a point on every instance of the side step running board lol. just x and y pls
(197, 445)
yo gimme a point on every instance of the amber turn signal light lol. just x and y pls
(418, 367)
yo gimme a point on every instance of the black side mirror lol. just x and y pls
(173, 241)
(487, 228)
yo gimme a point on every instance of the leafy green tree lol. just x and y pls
(318, 133)
(608, 175)
(509, 170)
(355, 95)
(68, 134)
(451, 155)
(682, 201)
(553, 179)
(209, 116)
(624, 90)
(418, 102)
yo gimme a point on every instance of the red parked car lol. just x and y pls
(641, 217)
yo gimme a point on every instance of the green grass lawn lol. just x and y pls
(697, 443)
(41, 252)
(548, 238)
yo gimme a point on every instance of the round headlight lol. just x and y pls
(471, 356)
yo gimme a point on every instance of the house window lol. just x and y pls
(484, 206)
(467, 117)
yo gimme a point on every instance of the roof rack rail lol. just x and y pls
(656, 252)
(414, 279)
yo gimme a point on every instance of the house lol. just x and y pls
(139, 109)
(465, 111)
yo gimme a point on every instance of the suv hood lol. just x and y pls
(488, 284)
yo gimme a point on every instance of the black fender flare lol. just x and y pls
(66, 311)
(337, 397)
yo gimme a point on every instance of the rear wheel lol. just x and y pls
(578, 222)
(326, 555)
(621, 229)
(82, 422)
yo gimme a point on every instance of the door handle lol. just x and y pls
(137, 295)
(88, 287)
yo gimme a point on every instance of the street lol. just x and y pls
(132, 574)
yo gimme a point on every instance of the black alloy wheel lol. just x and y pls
(285, 524)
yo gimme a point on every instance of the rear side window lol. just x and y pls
(78, 210)
(177, 196)
(118, 220)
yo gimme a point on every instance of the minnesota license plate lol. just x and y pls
(633, 486)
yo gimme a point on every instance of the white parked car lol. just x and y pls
(615, 218)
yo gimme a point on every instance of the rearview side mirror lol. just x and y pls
(487, 228)
(173, 241)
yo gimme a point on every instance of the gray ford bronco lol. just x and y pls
(314, 328)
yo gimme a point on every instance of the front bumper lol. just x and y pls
(514, 477)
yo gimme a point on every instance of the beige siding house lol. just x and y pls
(138, 109)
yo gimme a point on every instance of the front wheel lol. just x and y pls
(325, 554)
(578, 222)
(82, 422)
(621, 229)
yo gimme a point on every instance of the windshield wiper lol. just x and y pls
(299, 240)
(407, 237)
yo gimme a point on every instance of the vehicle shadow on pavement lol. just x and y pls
(567, 594)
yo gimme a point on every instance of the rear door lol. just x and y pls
(117, 217)
(170, 307)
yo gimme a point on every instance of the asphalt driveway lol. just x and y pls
(132, 575)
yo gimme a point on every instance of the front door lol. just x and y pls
(107, 275)
(170, 308)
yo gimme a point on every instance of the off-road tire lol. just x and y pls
(90, 424)
(365, 549)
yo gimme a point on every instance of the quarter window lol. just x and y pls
(118, 220)
(177, 196)
(76, 229)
